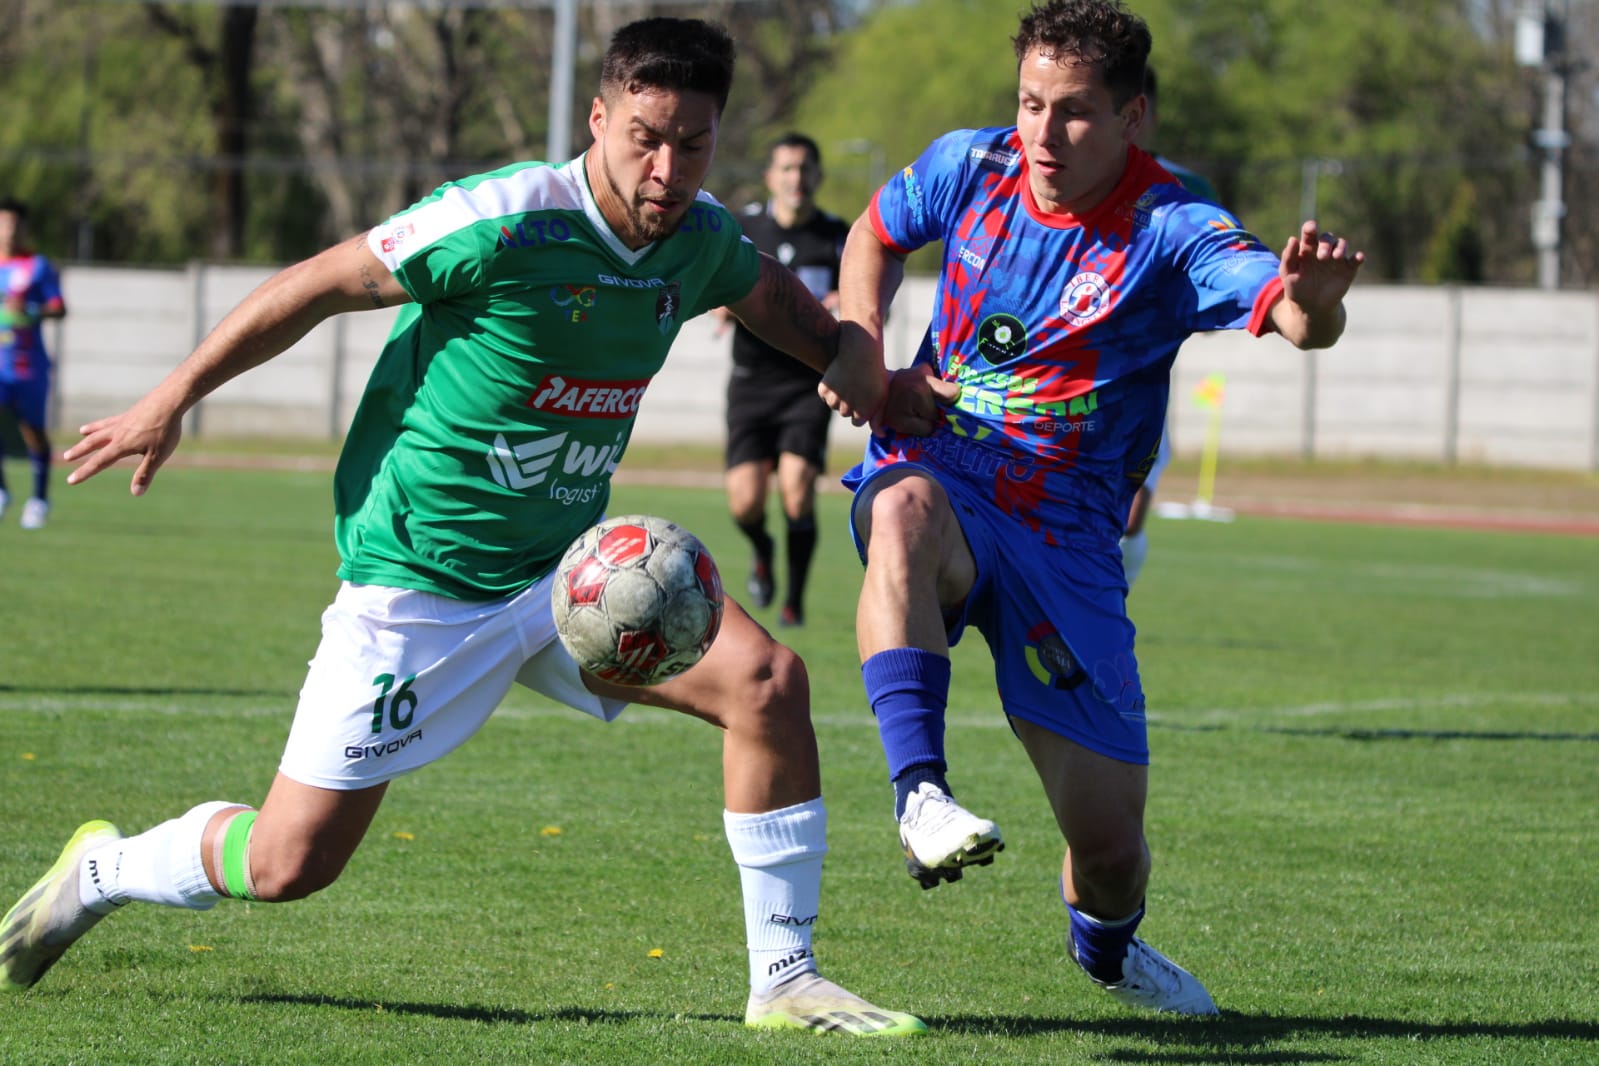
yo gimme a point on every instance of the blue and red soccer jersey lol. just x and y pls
(30, 282)
(1060, 329)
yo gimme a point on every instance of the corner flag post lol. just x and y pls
(1209, 394)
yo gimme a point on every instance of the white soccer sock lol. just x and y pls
(779, 855)
(161, 865)
(1135, 549)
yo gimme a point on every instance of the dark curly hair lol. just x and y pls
(1092, 31)
(669, 53)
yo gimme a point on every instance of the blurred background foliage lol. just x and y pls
(162, 132)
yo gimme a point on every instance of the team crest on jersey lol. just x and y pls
(667, 304)
(1001, 338)
(1051, 661)
(1085, 298)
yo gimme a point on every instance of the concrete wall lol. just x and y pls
(1493, 376)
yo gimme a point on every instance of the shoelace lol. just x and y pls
(946, 811)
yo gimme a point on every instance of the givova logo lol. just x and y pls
(360, 752)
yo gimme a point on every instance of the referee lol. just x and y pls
(775, 420)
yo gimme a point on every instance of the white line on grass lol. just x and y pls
(981, 718)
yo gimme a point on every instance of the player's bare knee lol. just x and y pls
(285, 879)
(904, 521)
(783, 684)
(1112, 863)
(773, 695)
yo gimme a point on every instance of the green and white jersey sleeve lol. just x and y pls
(506, 394)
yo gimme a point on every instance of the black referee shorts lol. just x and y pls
(766, 419)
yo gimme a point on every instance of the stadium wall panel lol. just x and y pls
(1449, 374)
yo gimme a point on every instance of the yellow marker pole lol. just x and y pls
(1209, 394)
(1207, 459)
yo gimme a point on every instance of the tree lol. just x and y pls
(1456, 251)
(905, 75)
(226, 66)
(1367, 114)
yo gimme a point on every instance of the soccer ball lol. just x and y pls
(637, 600)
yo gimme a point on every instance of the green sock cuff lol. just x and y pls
(236, 856)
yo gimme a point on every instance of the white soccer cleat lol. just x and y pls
(940, 837)
(1152, 981)
(5, 501)
(34, 513)
(50, 918)
(810, 1001)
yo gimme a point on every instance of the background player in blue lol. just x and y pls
(1073, 268)
(775, 420)
(32, 293)
(453, 510)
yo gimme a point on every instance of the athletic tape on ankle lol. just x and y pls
(236, 856)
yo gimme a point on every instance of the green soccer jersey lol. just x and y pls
(506, 394)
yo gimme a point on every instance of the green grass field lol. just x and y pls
(1374, 812)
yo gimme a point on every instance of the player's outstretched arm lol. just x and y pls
(1317, 270)
(284, 308)
(785, 314)
(869, 274)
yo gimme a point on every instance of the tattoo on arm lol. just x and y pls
(368, 282)
(792, 301)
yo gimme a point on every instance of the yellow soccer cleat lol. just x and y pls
(49, 918)
(810, 1001)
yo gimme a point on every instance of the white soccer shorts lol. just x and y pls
(402, 678)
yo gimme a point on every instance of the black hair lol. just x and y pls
(794, 139)
(669, 53)
(15, 206)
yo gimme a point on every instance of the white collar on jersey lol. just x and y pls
(597, 218)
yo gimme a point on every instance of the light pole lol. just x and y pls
(562, 92)
(1541, 42)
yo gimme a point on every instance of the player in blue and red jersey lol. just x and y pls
(32, 293)
(1074, 266)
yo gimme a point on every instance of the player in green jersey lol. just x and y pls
(538, 301)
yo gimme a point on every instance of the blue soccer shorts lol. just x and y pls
(1055, 620)
(27, 400)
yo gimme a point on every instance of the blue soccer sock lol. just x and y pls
(1100, 946)
(41, 474)
(908, 689)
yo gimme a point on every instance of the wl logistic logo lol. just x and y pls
(528, 465)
